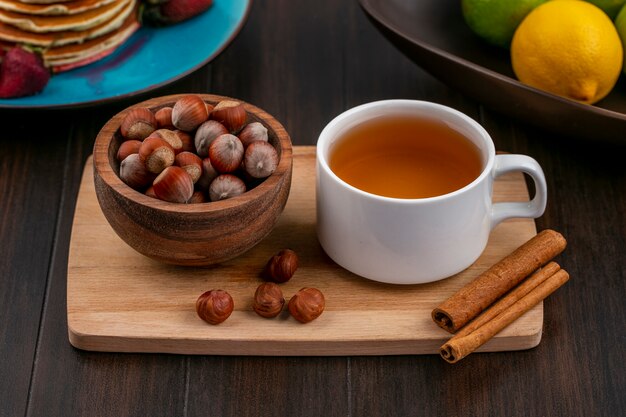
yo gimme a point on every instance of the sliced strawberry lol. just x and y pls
(173, 11)
(22, 73)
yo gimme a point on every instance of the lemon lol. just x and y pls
(496, 20)
(620, 24)
(569, 48)
(610, 7)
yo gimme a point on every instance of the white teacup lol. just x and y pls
(411, 241)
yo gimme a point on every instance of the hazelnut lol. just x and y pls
(282, 266)
(307, 304)
(208, 175)
(252, 132)
(174, 185)
(127, 148)
(231, 114)
(268, 300)
(226, 186)
(150, 192)
(197, 197)
(189, 112)
(214, 306)
(138, 123)
(260, 159)
(156, 154)
(187, 140)
(134, 173)
(191, 163)
(170, 137)
(226, 153)
(163, 118)
(206, 133)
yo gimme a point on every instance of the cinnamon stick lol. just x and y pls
(510, 298)
(460, 346)
(492, 284)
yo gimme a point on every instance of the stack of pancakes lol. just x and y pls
(70, 33)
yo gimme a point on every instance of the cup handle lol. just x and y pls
(531, 209)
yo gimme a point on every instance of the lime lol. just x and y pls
(496, 20)
(610, 7)
(620, 25)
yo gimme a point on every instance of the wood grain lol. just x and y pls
(119, 300)
(31, 172)
(305, 62)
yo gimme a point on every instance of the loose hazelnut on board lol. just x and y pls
(260, 159)
(163, 117)
(226, 186)
(214, 306)
(189, 112)
(226, 153)
(268, 300)
(156, 154)
(231, 114)
(206, 133)
(307, 304)
(281, 267)
(191, 163)
(134, 173)
(138, 123)
(174, 185)
(252, 132)
(128, 148)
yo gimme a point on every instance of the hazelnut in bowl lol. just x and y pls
(192, 179)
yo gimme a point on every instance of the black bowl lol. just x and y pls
(434, 35)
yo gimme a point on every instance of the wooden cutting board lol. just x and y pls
(118, 300)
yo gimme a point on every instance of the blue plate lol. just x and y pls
(151, 58)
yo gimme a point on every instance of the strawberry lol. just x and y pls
(163, 13)
(22, 73)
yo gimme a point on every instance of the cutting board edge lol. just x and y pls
(99, 343)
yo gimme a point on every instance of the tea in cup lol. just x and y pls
(404, 190)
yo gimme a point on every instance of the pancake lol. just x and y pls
(67, 57)
(72, 7)
(68, 34)
(10, 33)
(80, 21)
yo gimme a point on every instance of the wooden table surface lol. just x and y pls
(305, 62)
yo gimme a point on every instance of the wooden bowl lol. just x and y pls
(190, 234)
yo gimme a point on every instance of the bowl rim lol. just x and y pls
(103, 166)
